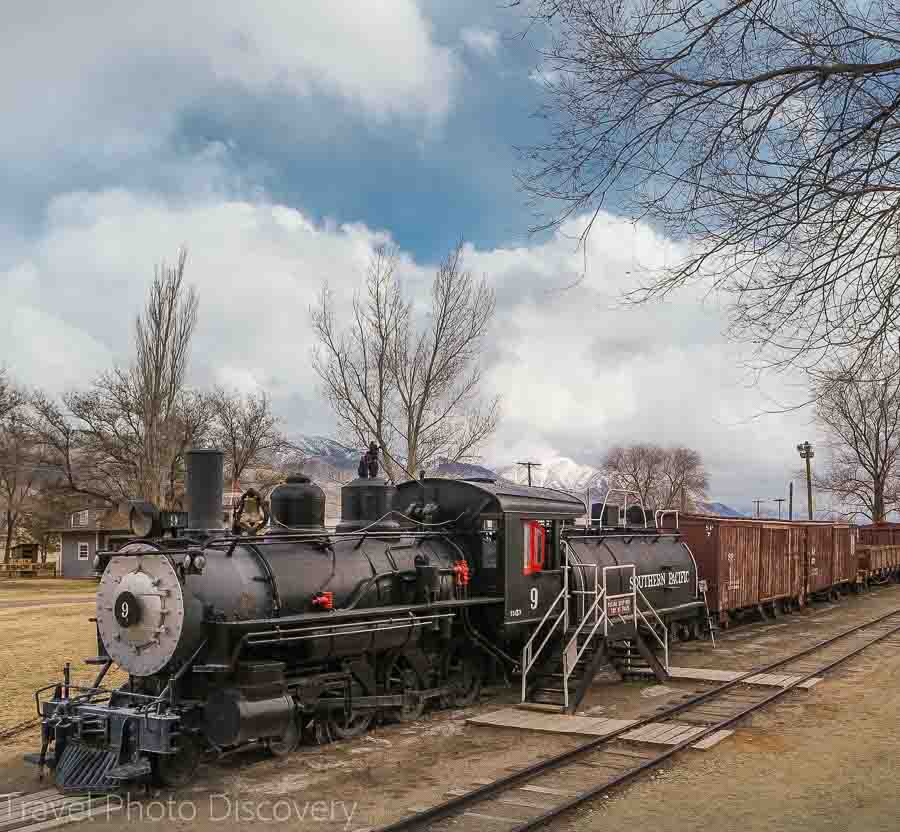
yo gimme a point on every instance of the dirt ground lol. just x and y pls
(825, 759)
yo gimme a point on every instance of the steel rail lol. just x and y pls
(454, 805)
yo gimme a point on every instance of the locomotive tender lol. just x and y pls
(287, 632)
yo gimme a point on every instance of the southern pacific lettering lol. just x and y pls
(658, 579)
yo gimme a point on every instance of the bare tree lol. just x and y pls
(684, 481)
(247, 430)
(412, 387)
(860, 414)
(663, 477)
(437, 372)
(11, 396)
(765, 135)
(126, 436)
(355, 366)
(22, 467)
(637, 468)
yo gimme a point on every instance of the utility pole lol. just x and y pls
(807, 453)
(791, 500)
(529, 466)
(778, 500)
(757, 505)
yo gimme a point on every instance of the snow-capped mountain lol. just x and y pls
(330, 463)
(328, 451)
(563, 473)
(462, 471)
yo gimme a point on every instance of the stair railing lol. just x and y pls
(529, 654)
(663, 639)
(571, 653)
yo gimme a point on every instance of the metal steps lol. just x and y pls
(563, 658)
(548, 688)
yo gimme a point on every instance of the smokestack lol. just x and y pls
(203, 487)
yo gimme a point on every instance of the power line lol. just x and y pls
(529, 466)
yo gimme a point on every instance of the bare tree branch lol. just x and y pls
(412, 387)
(762, 134)
(859, 411)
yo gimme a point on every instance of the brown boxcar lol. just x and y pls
(780, 562)
(879, 549)
(727, 553)
(845, 566)
(747, 563)
(820, 555)
(880, 534)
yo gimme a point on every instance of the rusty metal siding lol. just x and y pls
(844, 555)
(880, 534)
(701, 535)
(739, 564)
(777, 566)
(819, 556)
(797, 544)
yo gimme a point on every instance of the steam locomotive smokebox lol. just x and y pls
(366, 504)
(204, 487)
(298, 505)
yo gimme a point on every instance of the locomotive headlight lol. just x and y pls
(199, 562)
(144, 520)
(186, 562)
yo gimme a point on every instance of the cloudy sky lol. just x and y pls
(280, 148)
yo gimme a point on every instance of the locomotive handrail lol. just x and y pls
(664, 639)
(660, 513)
(625, 492)
(529, 655)
(572, 644)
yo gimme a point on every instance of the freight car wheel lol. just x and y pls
(402, 678)
(176, 770)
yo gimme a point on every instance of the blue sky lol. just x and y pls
(281, 147)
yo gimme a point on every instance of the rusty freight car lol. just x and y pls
(767, 564)
(780, 563)
(727, 551)
(878, 552)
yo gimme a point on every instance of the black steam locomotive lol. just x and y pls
(282, 631)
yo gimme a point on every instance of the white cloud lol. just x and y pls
(483, 42)
(578, 372)
(101, 82)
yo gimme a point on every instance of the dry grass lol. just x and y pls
(35, 643)
(27, 589)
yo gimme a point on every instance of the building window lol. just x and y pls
(80, 518)
(84, 551)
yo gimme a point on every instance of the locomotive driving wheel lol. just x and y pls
(462, 672)
(335, 724)
(402, 678)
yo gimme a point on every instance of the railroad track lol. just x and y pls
(48, 809)
(532, 797)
